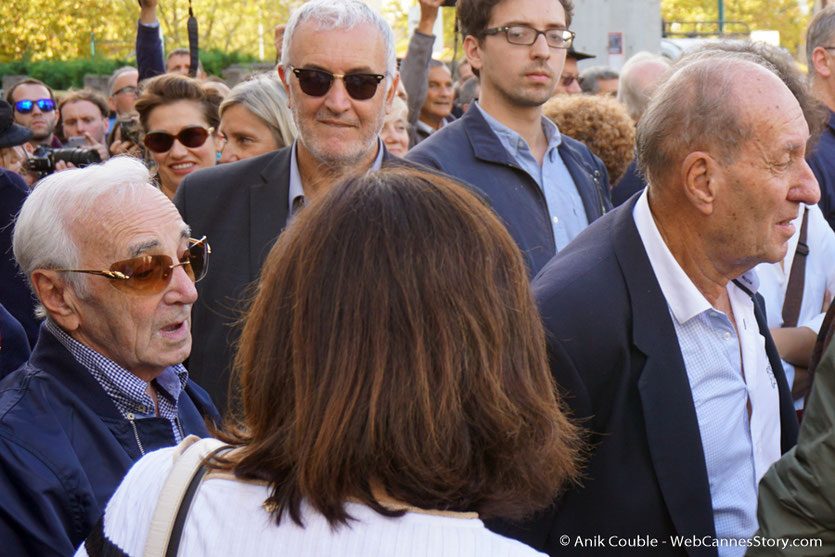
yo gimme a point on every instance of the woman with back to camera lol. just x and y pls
(254, 119)
(179, 119)
(394, 383)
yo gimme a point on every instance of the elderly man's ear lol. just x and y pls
(57, 297)
(701, 176)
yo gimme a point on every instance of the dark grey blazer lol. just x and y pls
(241, 207)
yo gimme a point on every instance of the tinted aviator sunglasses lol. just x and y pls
(26, 106)
(150, 274)
(316, 83)
(192, 136)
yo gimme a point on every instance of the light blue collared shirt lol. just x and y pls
(565, 206)
(295, 198)
(737, 449)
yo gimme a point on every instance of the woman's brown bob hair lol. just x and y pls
(170, 88)
(394, 348)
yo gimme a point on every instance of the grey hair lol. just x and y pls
(695, 109)
(467, 92)
(121, 71)
(590, 77)
(633, 91)
(340, 14)
(44, 232)
(265, 97)
(819, 33)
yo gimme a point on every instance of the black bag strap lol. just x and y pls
(797, 277)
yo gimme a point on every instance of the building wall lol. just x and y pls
(638, 20)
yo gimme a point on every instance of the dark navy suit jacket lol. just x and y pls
(615, 354)
(14, 291)
(241, 207)
(469, 150)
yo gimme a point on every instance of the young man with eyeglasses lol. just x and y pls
(113, 268)
(338, 66)
(33, 106)
(545, 186)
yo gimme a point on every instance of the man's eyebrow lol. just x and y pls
(359, 69)
(141, 248)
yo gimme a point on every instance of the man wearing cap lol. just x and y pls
(569, 82)
(545, 186)
(14, 294)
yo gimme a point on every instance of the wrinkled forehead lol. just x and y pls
(128, 221)
(31, 91)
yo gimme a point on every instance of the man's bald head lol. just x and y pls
(701, 107)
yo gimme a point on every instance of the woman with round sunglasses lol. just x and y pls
(179, 118)
(395, 390)
(254, 119)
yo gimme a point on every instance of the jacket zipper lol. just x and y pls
(130, 418)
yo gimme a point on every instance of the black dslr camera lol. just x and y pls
(43, 160)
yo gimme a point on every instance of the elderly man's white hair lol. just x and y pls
(44, 232)
(340, 14)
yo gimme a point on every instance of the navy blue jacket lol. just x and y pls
(14, 292)
(615, 354)
(630, 183)
(65, 447)
(469, 150)
(822, 161)
(14, 347)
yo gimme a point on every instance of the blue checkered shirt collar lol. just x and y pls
(127, 391)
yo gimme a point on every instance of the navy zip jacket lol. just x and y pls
(64, 449)
(469, 150)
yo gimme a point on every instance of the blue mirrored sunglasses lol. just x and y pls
(26, 106)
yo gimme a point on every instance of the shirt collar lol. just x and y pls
(684, 299)
(123, 387)
(296, 197)
(514, 142)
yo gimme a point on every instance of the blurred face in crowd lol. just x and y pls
(519, 75)
(178, 63)
(336, 128)
(144, 333)
(12, 158)
(439, 95)
(41, 123)
(568, 83)
(179, 161)
(243, 134)
(608, 87)
(82, 117)
(125, 92)
(395, 132)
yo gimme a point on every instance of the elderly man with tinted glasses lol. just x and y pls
(338, 66)
(113, 267)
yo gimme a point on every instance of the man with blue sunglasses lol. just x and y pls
(33, 105)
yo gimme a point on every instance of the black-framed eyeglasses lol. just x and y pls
(316, 82)
(127, 89)
(526, 36)
(191, 136)
(150, 274)
(26, 106)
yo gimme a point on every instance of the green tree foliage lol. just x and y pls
(785, 16)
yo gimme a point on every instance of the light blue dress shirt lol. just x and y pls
(565, 206)
(295, 197)
(727, 367)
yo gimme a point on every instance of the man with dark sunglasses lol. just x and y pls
(33, 105)
(545, 186)
(113, 268)
(338, 66)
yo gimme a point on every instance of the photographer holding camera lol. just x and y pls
(84, 121)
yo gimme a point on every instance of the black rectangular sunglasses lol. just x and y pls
(316, 83)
